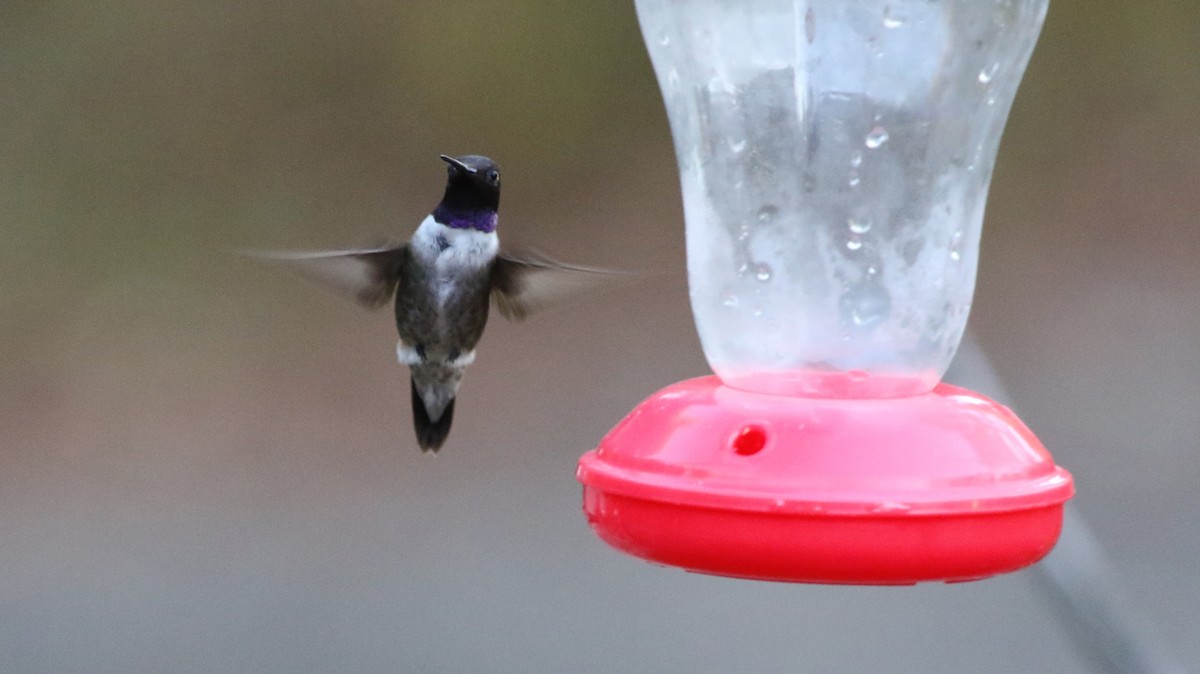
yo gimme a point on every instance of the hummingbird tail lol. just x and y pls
(431, 433)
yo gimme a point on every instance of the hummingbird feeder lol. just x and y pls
(835, 157)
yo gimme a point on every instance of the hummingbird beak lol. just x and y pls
(461, 166)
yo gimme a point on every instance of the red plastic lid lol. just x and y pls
(946, 485)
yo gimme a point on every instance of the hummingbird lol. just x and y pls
(443, 282)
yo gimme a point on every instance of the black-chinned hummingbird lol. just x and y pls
(444, 280)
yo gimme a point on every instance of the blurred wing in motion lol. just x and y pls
(368, 276)
(523, 282)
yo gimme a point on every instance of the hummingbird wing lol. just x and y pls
(523, 282)
(367, 275)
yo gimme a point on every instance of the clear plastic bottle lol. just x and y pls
(835, 157)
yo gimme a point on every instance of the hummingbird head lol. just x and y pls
(472, 193)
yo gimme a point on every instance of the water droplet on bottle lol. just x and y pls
(878, 136)
(854, 243)
(872, 270)
(767, 213)
(988, 73)
(854, 180)
(856, 159)
(954, 255)
(891, 22)
(729, 299)
(991, 100)
(665, 39)
(743, 232)
(762, 271)
(858, 226)
(865, 305)
(737, 146)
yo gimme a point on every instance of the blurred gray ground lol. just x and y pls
(207, 466)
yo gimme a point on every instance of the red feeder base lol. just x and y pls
(947, 486)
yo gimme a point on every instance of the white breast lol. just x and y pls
(451, 252)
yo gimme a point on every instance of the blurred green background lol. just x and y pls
(207, 466)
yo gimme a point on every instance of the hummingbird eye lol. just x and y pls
(493, 177)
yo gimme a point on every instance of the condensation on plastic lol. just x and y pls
(835, 158)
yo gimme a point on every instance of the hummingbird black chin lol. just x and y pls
(443, 283)
(472, 193)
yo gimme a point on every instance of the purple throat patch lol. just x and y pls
(482, 221)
